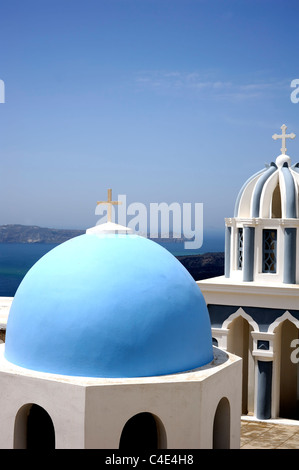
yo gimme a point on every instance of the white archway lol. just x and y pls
(240, 313)
(144, 431)
(221, 426)
(240, 327)
(286, 316)
(286, 377)
(33, 428)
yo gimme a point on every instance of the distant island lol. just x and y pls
(33, 234)
(201, 266)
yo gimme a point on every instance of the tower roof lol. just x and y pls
(273, 191)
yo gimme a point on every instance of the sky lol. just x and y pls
(160, 100)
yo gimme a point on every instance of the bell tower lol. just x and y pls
(254, 306)
(261, 238)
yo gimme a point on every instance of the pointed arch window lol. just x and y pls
(269, 251)
(240, 248)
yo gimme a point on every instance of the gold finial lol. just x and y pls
(283, 138)
(109, 203)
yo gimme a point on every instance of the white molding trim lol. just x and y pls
(240, 313)
(271, 222)
(281, 319)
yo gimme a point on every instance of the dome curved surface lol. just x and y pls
(112, 306)
(270, 193)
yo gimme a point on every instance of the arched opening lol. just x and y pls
(34, 429)
(288, 371)
(276, 203)
(143, 431)
(221, 427)
(240, 342)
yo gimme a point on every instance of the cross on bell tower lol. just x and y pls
(109, 203)
(283, 138)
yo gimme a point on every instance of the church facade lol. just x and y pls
(254, 307)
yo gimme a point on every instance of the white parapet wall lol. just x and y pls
(196, 409)
(5, 304)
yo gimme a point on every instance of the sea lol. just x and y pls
(17, 258)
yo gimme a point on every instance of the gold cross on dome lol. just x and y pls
(109, 203)
(283, 138)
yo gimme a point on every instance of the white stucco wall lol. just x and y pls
(91, 413)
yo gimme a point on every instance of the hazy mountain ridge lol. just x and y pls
(17, 233)
(34, 234)
(204, 266)
(201, 266)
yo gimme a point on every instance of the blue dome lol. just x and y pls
(110, 306)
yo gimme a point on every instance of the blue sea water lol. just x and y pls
(17, 258)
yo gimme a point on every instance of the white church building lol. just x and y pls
(109, 346)
(109, 340)
(254, 307)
